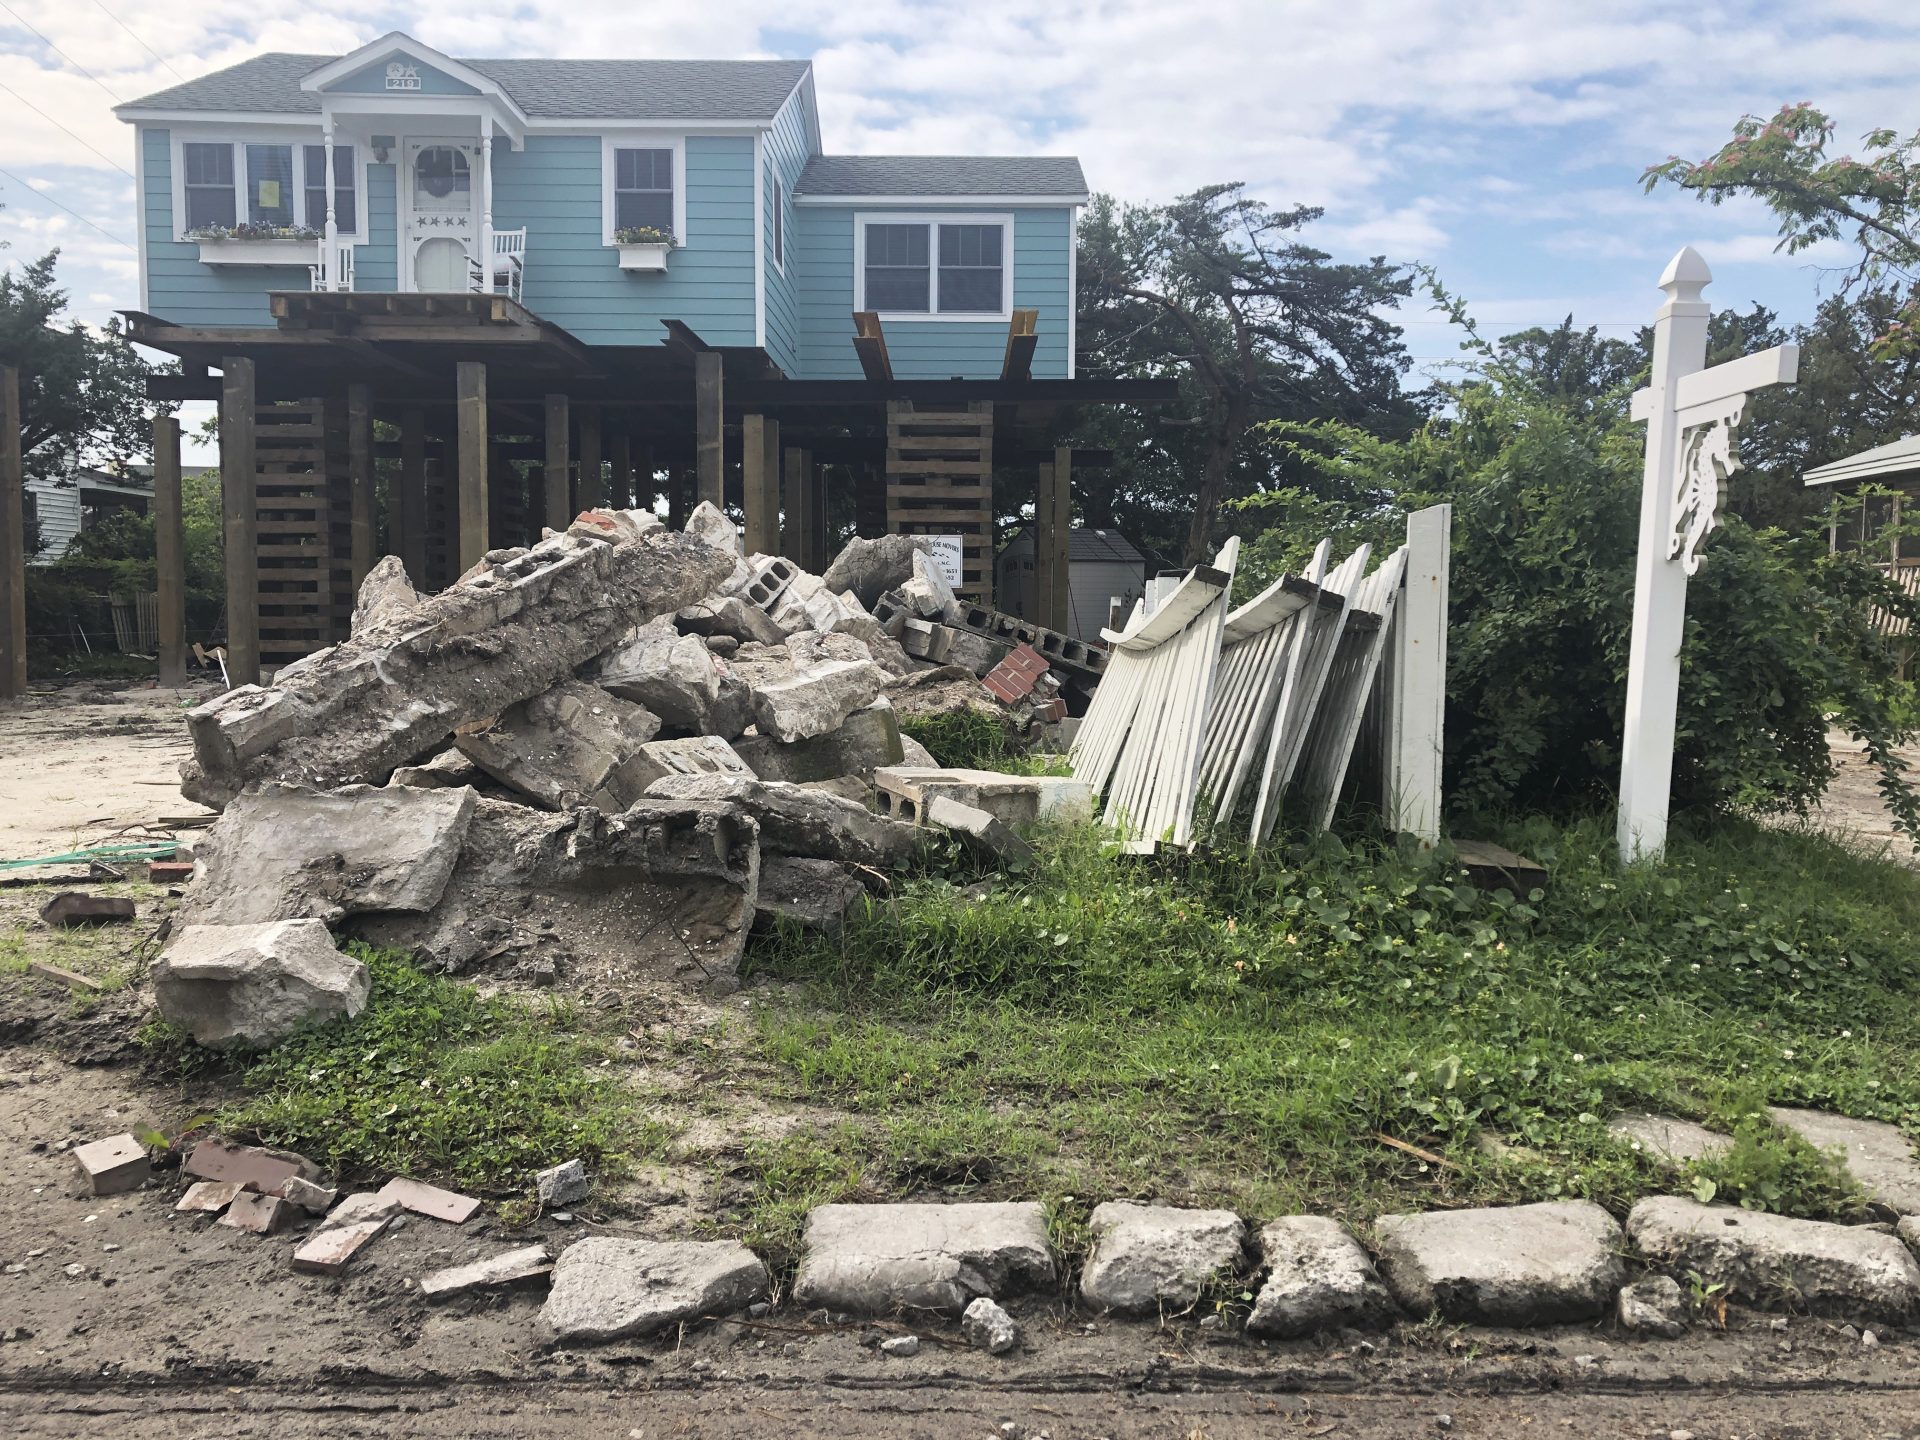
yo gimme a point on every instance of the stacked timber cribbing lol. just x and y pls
(303, 583)
(940, 482)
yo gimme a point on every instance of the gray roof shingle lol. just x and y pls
(956, 175)
(550, 89)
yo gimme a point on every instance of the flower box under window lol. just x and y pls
(643, 249)
(249, 245)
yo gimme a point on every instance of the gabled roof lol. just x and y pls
(1085, 544)
(1894, 459)
(546, 89)
(1051, 177)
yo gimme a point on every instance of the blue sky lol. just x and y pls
(1499, 142)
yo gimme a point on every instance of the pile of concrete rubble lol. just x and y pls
(623, 743)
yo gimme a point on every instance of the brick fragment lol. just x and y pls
(430, 1200)
(169, 872)
(257, 1214)
(255, 1169)
(329, 1251)
(114, 1165)
(77, 907)
(209, 1196)
(312, 1198)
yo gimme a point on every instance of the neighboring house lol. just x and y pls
(435, 162)
(60, 507)
(1868, 529)
(1102, 566)
(567, 283)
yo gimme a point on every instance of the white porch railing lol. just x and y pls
(337, 275)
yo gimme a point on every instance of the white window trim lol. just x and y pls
(780, 238)
(643, 140)
(934, 219)
(238, 142)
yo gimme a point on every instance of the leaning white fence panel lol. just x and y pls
(1415, 680)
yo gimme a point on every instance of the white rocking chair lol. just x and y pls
(341, 277)
(509, 264)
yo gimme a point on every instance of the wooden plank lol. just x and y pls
(1022, 337)
(237, 424)
(760, 476)
(169, 552)
(360, 482)
(411, 513)
(709, 436)
(13, 540)
(591, 493)
(870, 344)
(905, 465)
(471, 405)
(558, 472)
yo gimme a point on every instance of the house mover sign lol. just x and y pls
(947, 553)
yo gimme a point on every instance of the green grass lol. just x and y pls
(1239, 1032)
(435, 1081)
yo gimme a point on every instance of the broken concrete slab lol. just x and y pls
(684, 755)
(666, 888)
(445, 771)
(253, 985)
(985, 1326)
(331, 1249)
(864, 741)
(1875, 1156)
(566, 1184)
(728, 616)
(606, 1289)
(1153, 1257)
(978, 653)
(289, 852)
(870, 568)
(1676, 1143)
(386, 596)
(209, 1196)
(1548, 1263)
(1652, 1306)
(613, 526)
(979, 831)
(1909, 1231)
(807, 648)
(1020, 801)
(709, 524)
(812, 894)
(526, 1266)
(1776, 1260)
(1318, 1278)
(257, 1214)
(565, 747)
(378, 701)
(673, 675)
(360, 1207)
(429, 1200)
(312, 1198)
(247, 1166)
(876, 1259)
(795, 820)
(77, 907)
(816, 700)
(914, 755)
(927, 594)
(114, 1165)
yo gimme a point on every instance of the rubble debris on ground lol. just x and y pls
(429, 1200)
(606, 1288)
(114, 1165)
(577, 754)
(78, 907)
(562, 1185)
(525, 1266)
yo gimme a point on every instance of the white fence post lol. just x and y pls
(1416, 715)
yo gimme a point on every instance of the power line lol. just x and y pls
(22, 22)
(69, 134)
(143, 44)
(68, 208)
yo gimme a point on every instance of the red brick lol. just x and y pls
(328, 1251)
(169, 872)
(258, 1214)
(255, 1169)
(430, 1200)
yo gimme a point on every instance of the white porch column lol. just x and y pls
(1660, 582)
(486, 205)
(329, 232)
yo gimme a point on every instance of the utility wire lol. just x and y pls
(68, 208)
(22, 22)
(142, 43)
(69, 134)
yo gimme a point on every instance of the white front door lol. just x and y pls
(440, 214)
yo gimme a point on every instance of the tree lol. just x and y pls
(82, 391)
(1874, 201)
(1219, 289)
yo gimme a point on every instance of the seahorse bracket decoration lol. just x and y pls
(1708, 455)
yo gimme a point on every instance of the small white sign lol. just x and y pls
(949, 554)
(401, 76)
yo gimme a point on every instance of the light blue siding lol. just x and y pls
(937, 349)
(376, 264)
(179, 286)
(372, 80)
(574, 278)
(785, 149)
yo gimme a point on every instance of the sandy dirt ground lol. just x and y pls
(119, 1317)
(80, 763)
(1852, 806)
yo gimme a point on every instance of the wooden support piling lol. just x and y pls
(816, 499)
(760, 483)
(794, 541)
(1040, 589)
(360, 481)
(709, 418)
(472, 479)
(238, 519)
(680, 484)
(169, 552)
(593, 484)
(559, 493)
(1058, 602)
(620, 456)
(13, 540)
(411, 539)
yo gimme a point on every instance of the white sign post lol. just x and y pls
(1693, 419)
